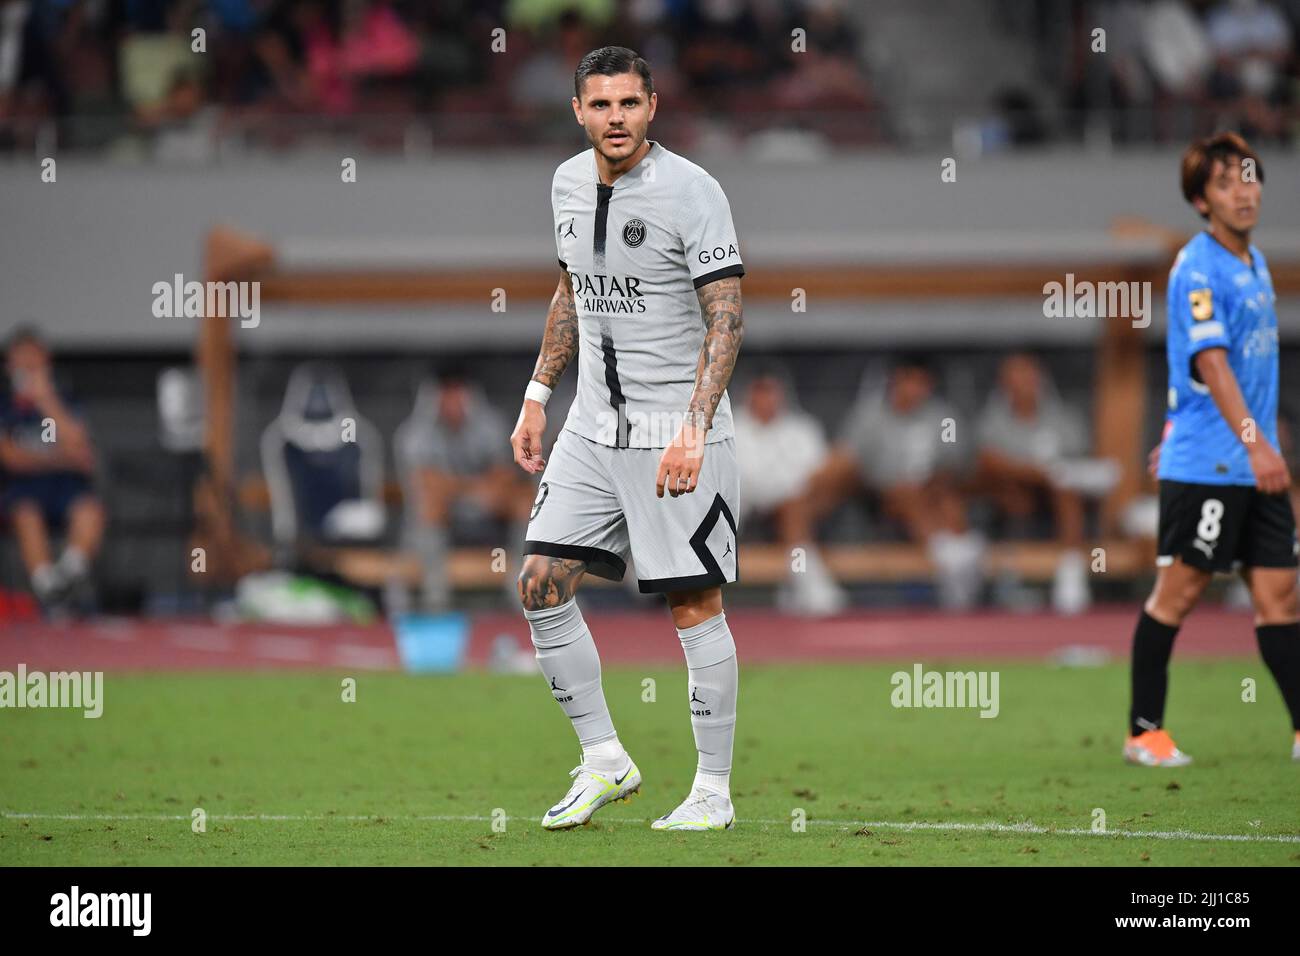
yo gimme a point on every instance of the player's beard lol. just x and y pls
(636, 141)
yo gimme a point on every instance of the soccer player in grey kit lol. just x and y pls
(648, 302)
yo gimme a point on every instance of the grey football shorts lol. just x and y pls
(598, 504)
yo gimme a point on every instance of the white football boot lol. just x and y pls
(591, 790)
(702, 810)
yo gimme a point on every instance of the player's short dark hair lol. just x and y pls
(611, 61)
(1202, 154)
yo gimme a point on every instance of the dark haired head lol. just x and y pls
(452, 372)
(765, 367)
(914, 361)
(25, 335)
(612, 61)
(1200, 157)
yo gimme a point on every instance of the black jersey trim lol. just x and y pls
(725, 272)
(713, 574)
(603, 194)
(622, 434)
(690, 582)
(601, 563)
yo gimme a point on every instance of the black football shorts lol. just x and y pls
(1217, 527)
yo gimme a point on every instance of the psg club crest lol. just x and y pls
(634, 233)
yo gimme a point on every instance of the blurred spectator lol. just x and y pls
(381, 62)
(1155, 65)
(1251, 41)
(302, 54)
(829, 75)
(319, 55)
(778, 448)
(13, 23)
(162, 80)
(1025, 435)
(459, 480)
(545, 78)
(537, 15)
(373, 67)
(720, 48)
(377, 43)
(901, 444)
(1177, 49)
(48, 462)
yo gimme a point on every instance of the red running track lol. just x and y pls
(633, 637)
(129, 644)
(761, 636)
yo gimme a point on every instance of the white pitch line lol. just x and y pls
(1029, 828)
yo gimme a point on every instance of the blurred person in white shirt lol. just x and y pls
(772, 489)
(899, 443)
(1026, 436)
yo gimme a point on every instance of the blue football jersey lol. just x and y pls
(1215, 300)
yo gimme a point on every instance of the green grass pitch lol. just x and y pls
(414, 771)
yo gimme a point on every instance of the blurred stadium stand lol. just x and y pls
(1066, 162)
(120, 79)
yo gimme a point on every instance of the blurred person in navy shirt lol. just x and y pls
(48, 465)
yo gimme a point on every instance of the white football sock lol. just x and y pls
(712, 685)
(45, 580)
(567, 657)
(606, 755)
(73, 562)
(719, 783)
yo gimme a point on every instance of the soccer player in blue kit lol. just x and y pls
(1223, 484)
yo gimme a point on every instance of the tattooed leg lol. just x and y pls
(567, 655)
(548, 582)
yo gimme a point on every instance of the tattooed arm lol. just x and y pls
(559, 346)
(721, 307)
(560, 340)
(720, 304)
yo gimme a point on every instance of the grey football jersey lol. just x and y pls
(636, 252)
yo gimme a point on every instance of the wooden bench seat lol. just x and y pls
(760, 564)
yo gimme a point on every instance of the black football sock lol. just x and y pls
(1153, 644)
(1279, 645)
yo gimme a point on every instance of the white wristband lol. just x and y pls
(537, 392)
